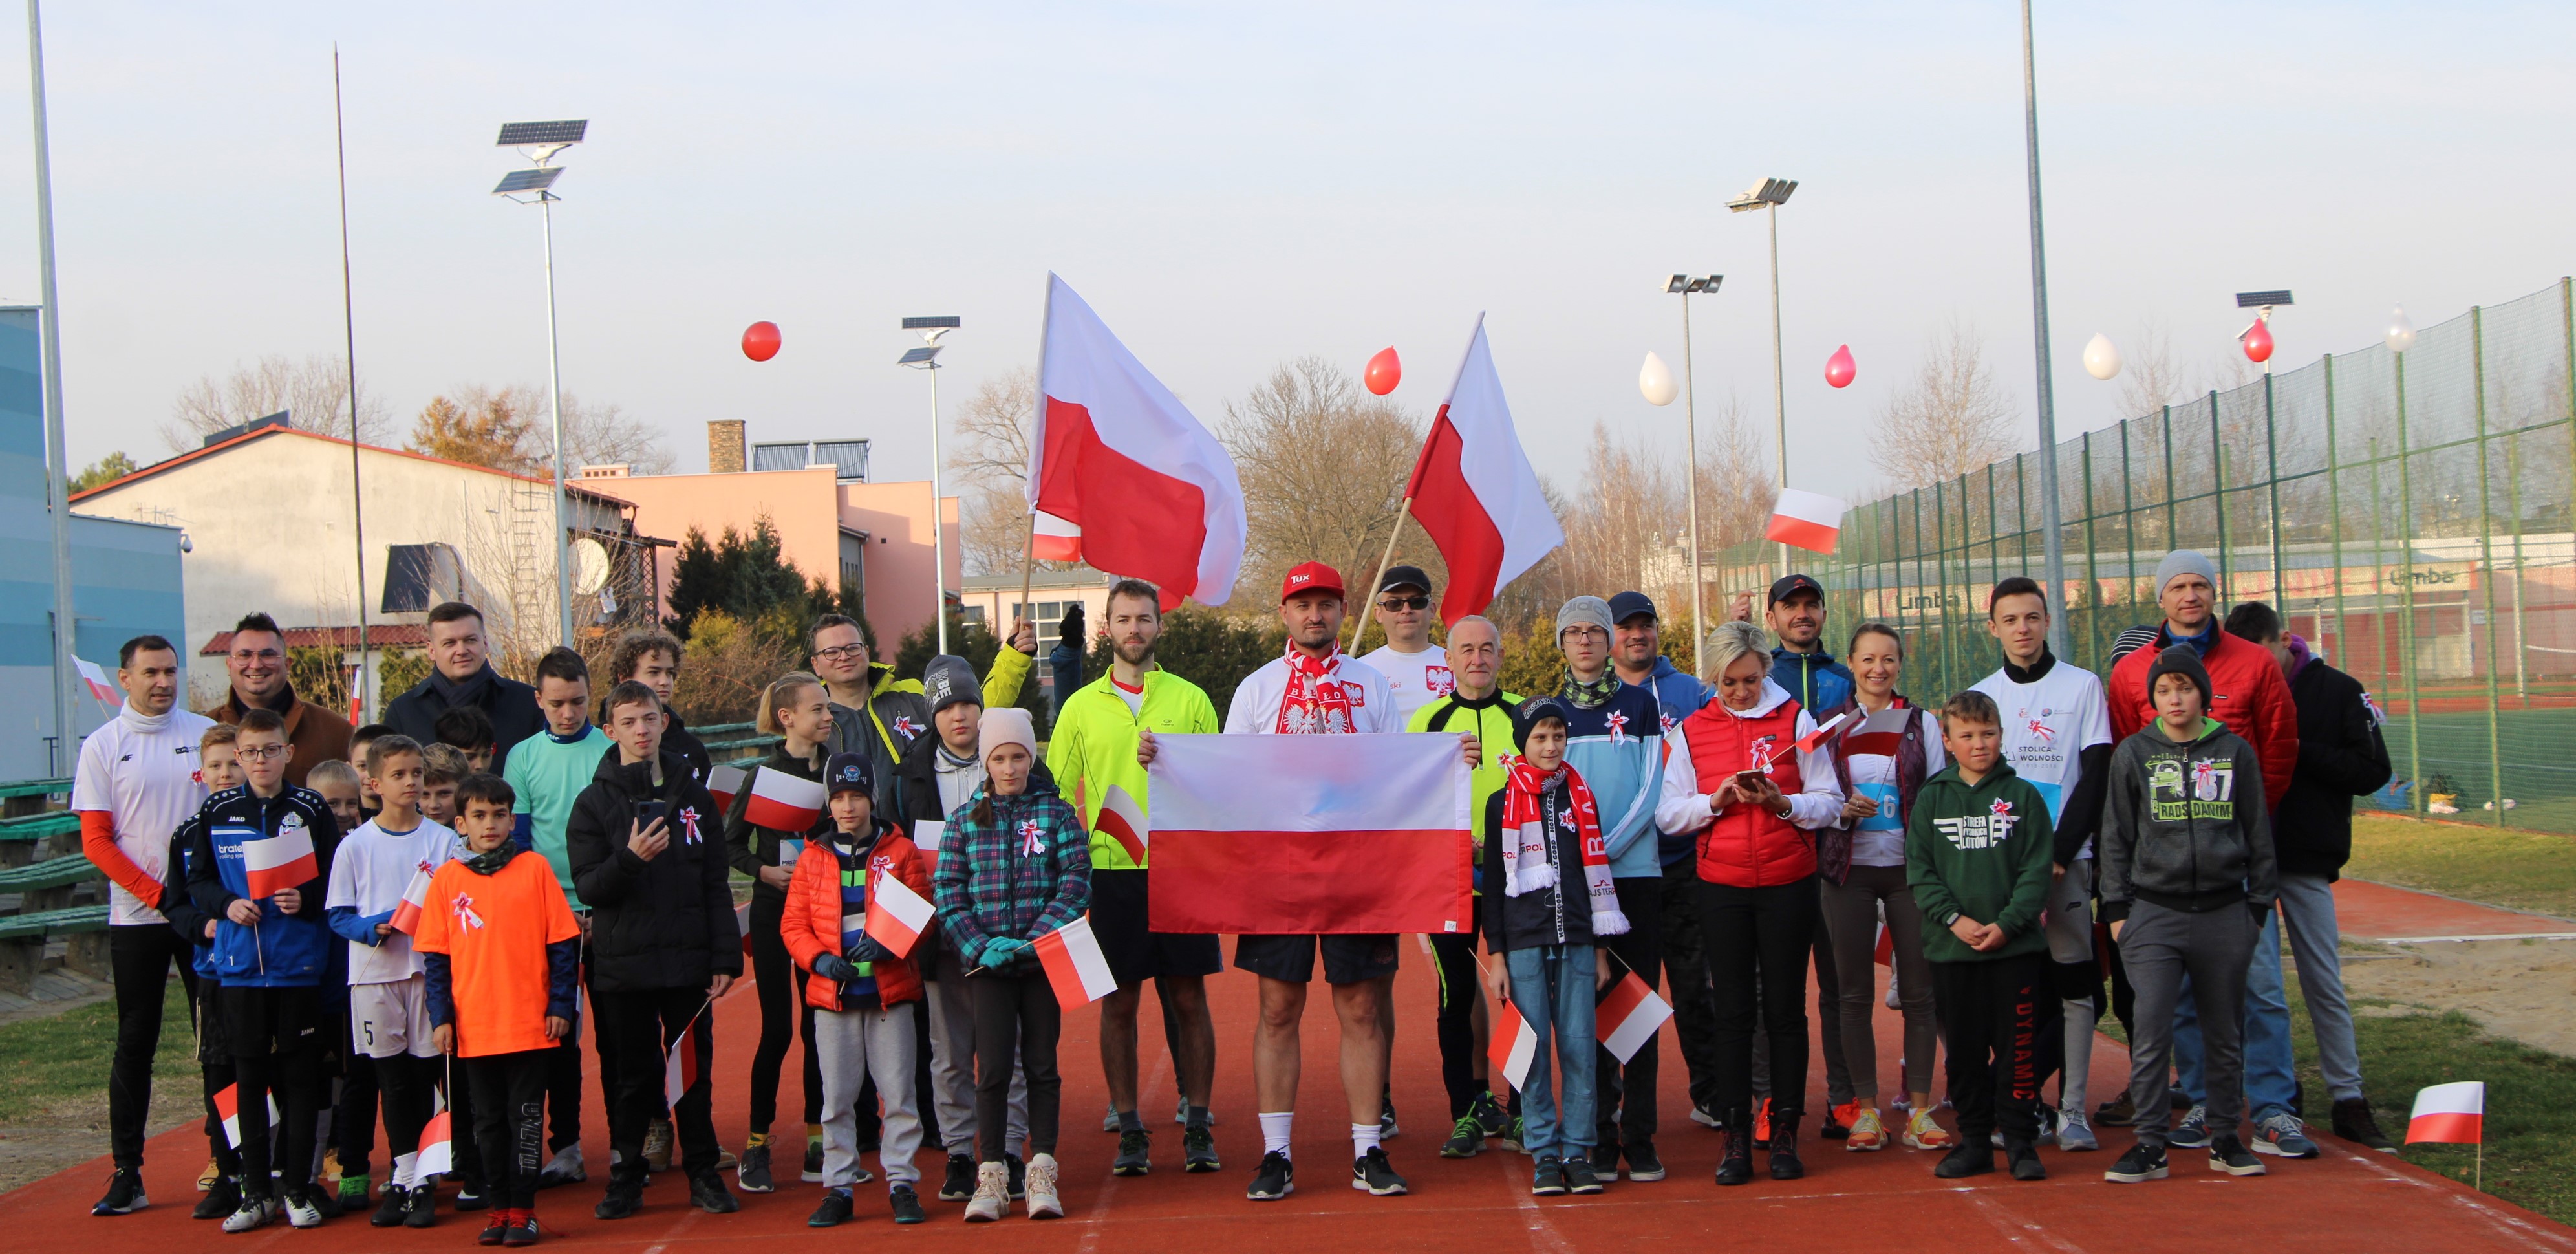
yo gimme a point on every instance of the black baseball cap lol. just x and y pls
(1403, 577)
(1628, 605)
(1788, 586)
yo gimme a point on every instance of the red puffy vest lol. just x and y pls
(1748, 846)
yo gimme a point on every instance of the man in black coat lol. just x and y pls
(461, 674)
(2341, 756)
(646, 845)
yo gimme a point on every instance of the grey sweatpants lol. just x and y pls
(952, 1062)
(1851, 919)
(851, 1046)
(2213, 947)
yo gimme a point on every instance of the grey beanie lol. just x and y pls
(1591, 610)
(948, 680)
(2184, 562)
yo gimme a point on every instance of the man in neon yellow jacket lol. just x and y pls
(879, 715)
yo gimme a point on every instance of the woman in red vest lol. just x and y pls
(1743, 777)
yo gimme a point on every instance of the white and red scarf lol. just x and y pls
(1316, 700)
(1525, 865)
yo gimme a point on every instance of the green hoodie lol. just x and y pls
(1980, 852)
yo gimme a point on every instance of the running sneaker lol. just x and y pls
(254, 1212)
(1017, 1168)
(1133, 1156)
(1466, 1139)
(2280, 1133)
(1488, 1113)
(1867, 1133)
(2354, 1122)
(813, 1173)
(709, 1194)
(1512, 1135)
(1965, 1160)
(725, 1161)
(1548, 1178)
(391, 1208)
(1706, 1118)
(206, 1178)
(2229, 1156)
(1274, 1179)
(657, 1147)
(992, 1194)
(565, 1168)
(1387, 1129)
(1580, 1178)
(1924, 1132)
(1643, 1166)
(752, 1174)
(1043, 1200)
(905, 1204)
(2047, 1129)
(1109, 1122)
(220, 1200)
(2074, 1133)
(1371, 1174)
(470, 1197)
(353, 1191)
(1762, 1125)
(2119, 1112)
(301, 1210)
(124, 1193)
(1198, 1151)
(494, 1229)
(522, 1229)
(958, 1183)
(2193, 1131)
(1836, 1125)
(2141, 1163)
(424, 1204)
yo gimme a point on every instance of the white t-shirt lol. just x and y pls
(1134, 697)
(143, 773)
(1413, 679)
(2047, 727)
(1256, 700)
(1879, 839)
(368, 874)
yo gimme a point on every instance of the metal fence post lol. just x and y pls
(2334, 504)
(2092, 571)
(2272, 495)
(2173, 516)
(2486, 556)
(2218, 503)
(1941, 579)
(2406, 598)
(2513, 504)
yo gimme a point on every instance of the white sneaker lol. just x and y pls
(1040, 1184)
(992, 1194)
(2075, 1132)
(254, 1212)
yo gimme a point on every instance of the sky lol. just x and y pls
(1231, 187)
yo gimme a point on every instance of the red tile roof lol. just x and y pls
(379, 636)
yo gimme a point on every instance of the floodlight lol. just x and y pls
(927, 357)
(927, 324)
(2260, 300)
(1767, 192)
(530, 134)
(1677, 283)
(1708, 284)
(536, 180)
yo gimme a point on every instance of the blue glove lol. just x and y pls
(833, 968)
(1000, 952)
(867, 949)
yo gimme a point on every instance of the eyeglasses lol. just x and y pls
(1392, 604)
(263, 655)
(841, 652)
(258, 753)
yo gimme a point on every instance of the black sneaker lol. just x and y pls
(906, 1205)
(1548, 1180)
(1580, 1177)
(1387, 1128)
(124, 1194)
(1198, 1151)
(391, 1207)
(1833, 1129)
(2228, 1155)
(1972, 1156)
(222, 1198)
(752, 1172)
(836, 1207)
(1133, 1157)
(2354, 1122)
(1274, 1179)
(521, 1231)
(495, 1227)
(1019, 1177)
(423, 1210)
(958, 1183)
(1604, 1156)
(2143, 1162)
(1466, 1139)
(2023, 1158)
(1371, 1174)
(625, 1194)
(1488, 1113)
(1643, 1166)
(708, 1193)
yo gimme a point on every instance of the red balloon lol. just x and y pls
(2258, 341)
(760, 342)
(1383, 371)
(1839, 369)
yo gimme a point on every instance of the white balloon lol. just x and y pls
(2101, 357)
(2401, 331)
(1655, 379)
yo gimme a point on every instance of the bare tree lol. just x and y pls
(314, 390)
(2150, 377)
(511, 429)
(1323, 466)
(990, 457)
(1951, 421)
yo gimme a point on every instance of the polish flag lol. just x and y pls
(437, 1154)
(1307, 834)
(681, 1066)
(415, 898)
(897, 916)
(742, 925)
(1473, 489)
(1075, 965)
(1884, 954)
(1629, 1017)
(1052, 539)
(1122, 464)
(282, 861)
(782, 802)
(926, 837)
(2449, 1114)
(1122, 820)
(722, 783)
(1808, 742)
(228, 1108)
(1810, 520)
(1515, 1046)
(96, 680)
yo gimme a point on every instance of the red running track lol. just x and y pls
(2349, 1199)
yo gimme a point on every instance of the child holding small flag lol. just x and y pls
(1016, 864)
(771, 817)
(379, 885)
(1542, 839)
(1977, 849)
(863, 995)
(258, 858)
(219, 772)
(499, 950)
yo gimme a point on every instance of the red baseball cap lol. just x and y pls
(1310, 577)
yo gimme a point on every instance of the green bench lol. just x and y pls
(728, 745)
(35, 788)
(41, 866)
(60, 872)
(44, 923)
(40, 826)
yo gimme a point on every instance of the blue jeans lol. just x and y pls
(1552, 987)
(2269, 1080)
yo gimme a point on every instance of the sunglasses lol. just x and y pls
(1392, 604)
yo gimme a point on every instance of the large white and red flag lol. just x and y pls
(1120, 473)
(1810, 520)
(783, 803)
(272, 864)
(2449, 1114)
(1474, 491)
(1291, 834)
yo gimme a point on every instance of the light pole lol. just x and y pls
(927, 359)
(2052, 547)
(57, 461)
(1769, 195)
(541, 141)
(1687, 286)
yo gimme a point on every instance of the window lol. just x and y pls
(973, 614)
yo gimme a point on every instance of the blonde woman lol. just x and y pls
(795, 709)
(1744, 782)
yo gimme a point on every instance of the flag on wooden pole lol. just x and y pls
(2449, 1114)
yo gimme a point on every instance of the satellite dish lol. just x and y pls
(589, 566)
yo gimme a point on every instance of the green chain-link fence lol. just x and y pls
(2408, 513)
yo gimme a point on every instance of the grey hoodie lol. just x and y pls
(2184, 827)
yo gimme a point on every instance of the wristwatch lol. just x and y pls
(1785, 811)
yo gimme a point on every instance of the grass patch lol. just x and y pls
(46, 1062)
(2517, 869)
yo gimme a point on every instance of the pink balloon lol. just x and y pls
(1839, 368)
(1384, 371)
(2258, 341)
(760, 341)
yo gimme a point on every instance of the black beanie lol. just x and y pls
(1530, 712)
(2180, 660)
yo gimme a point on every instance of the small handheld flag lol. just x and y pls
(2449, 1114)
(437, 1155)
(415, 899)
(95, 680)
(782, 802)
(1810, 520)
(272, 864)
(897, 916)
(1515, 1046)
(1629, 1016)
(1808, 742)
(681, 1066)
(722, 783)
(1074, 964)
(228, 1108)
(926, 835)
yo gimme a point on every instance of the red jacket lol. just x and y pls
(2247, 693)
(811, 925)
(1748, 846)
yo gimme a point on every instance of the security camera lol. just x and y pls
(186, 545)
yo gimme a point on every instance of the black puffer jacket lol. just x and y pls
(511, 705)
(667, 923)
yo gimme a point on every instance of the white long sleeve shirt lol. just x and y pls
(1256, 700)
(1684, 807)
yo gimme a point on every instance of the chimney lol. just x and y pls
(724, 447)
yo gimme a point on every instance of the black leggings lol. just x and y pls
(1453, 960)
(1765, 936)
(1015, 1012)
(509, 1125)
(783, 1014)
(139, 957)
(256, 1018)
